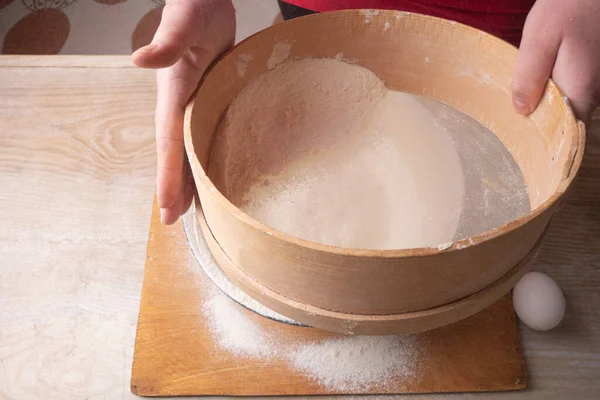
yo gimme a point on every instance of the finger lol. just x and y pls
(175, 85)
(190, 189)
(179, 21)
(577, 80)
(168, 216)
(189, 197)
(583, 108)
(583, 105)
(537, 54)
(171, 214)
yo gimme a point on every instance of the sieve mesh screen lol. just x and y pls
(495, 191)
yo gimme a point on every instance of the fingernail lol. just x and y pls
(146, 49)
(521, 106)
(162, 216)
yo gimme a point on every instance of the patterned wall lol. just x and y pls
(100, 26)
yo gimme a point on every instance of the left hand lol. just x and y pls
(561, 39)
(192, 33)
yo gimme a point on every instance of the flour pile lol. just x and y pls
(321, 150)
(358, 362)
(234, 331)
(343, 363)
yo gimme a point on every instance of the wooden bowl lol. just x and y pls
(390, 291)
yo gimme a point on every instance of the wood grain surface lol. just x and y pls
(76, 185)
(77, 169)
(481, 353)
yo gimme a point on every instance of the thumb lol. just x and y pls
(535, 62)
(174, 35)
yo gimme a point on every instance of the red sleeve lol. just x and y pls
(502, 18)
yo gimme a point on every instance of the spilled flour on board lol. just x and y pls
(233, 330)
(357, 362)
(339, 363)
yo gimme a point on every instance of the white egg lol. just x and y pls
(538, 301)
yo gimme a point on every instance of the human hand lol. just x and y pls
(560, 39)
(192, 33)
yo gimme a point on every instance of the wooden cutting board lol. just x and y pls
(176, 354)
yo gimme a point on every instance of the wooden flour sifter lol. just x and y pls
(388, 291)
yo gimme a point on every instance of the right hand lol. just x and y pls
(192, 33)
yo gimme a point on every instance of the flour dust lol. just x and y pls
(322, 150)
(340, 364)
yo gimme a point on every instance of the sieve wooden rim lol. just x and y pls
(367, 324)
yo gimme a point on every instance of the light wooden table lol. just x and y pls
(76, 189)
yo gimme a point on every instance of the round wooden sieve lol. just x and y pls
(370, 291)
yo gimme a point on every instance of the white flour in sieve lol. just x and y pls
(321, 150)
(344, 363)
